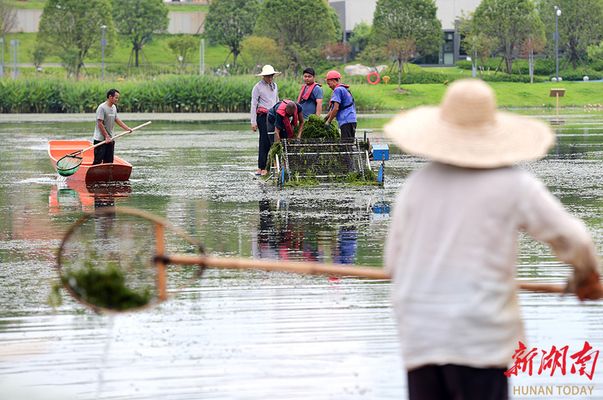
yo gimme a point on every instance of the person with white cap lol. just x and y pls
(263, 97)
(452, 243)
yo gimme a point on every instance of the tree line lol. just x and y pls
(290, 34)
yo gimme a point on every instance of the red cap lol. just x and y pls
(333, 75)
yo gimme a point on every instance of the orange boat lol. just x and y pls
(119, 170)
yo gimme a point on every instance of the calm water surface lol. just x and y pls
(244, 334)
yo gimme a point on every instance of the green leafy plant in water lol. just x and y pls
(276, 150)
(105, 287)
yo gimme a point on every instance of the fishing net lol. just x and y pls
(67, 165)
(106, 261)
(324, 159)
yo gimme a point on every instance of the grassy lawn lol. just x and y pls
(28, 4)
(155, 52)
(508, 94)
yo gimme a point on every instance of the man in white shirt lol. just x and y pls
(106, 118)
(452, 245)
(264, 96)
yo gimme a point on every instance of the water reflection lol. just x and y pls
(292, 231)
(72, 195)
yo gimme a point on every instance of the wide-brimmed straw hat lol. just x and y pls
(268, 70)
(466, 130)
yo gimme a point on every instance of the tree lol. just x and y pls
(580, 25)
(510, 23)
(360, 37)
(8, 17)
(69, 29)
(299, 27)
(228, 22)
(138, 20)
(406, 27)
(182, 46)
(257, 51)
(476, 44)
(532, 45)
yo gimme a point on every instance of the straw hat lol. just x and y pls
(268, 70)
(466, 130)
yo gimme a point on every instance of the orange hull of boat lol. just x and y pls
(119, 170)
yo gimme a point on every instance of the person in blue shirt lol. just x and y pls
(341, 106)
(310, 94)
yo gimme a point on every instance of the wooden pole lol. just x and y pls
(161, 272)
(313, 268)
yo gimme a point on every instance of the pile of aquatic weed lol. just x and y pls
(102, 287)
(315, 128)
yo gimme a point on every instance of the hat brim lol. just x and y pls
(507, 140)
(264, 74)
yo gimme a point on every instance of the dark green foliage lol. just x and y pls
(544, 68)
(510, 23)
(228, 22)
(138, 20)
(578, 74)
(406, 29)
(580, 25)
(315, 128)
(301, 27)
(70, 29)
(541, 66)
(164, 94)
(105, 288)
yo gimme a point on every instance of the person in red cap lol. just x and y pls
(341, 106)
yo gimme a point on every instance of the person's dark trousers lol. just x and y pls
(103, 153)
(265, 141)
(457, 382)
(348, 131)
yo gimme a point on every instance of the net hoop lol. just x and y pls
(68, 165)
(158, 221)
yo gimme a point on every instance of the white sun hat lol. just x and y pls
(268, 70)
(466, 130)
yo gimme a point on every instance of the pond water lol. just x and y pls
(249, 334)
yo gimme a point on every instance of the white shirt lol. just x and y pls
(451, 251)
(262, 95)
(107, 114)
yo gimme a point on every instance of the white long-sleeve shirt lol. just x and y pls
(262, 95)
(451, 251)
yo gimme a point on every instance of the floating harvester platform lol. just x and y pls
(328, 160)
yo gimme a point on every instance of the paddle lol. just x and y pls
(68, 164)
(130, 271)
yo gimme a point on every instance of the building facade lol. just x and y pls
(353, 12)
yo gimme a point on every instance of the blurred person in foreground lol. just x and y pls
(452, 244)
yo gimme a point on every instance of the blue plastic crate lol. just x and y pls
(380, 152)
